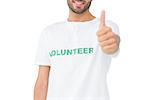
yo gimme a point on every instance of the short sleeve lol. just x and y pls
(42, 56)
(115, 29)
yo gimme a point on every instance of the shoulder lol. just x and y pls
(55, 25)
(109, 23)
(52, 28)
(113, 25)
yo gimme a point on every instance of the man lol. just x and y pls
(76, 54)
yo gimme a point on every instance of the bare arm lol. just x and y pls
(41, 85)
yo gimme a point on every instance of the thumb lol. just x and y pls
(102, 19)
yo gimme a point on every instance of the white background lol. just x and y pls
(21, 22)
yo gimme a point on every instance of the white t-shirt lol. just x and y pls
(78, 65)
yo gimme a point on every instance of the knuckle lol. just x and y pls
(113, 40)
(101, 44)
(110, 34)
(97, 33)
(109, 29)
(115, 45)
(99, 40)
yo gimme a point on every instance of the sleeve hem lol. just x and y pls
(116, 53)
(42, 63)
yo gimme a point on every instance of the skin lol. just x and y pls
(41, 85)
(108, 41)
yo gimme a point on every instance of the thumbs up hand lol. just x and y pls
(108, 40)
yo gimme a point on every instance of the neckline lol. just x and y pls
(84, 22)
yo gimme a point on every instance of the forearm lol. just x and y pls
(40, 90)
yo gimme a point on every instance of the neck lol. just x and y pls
(86, 16)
